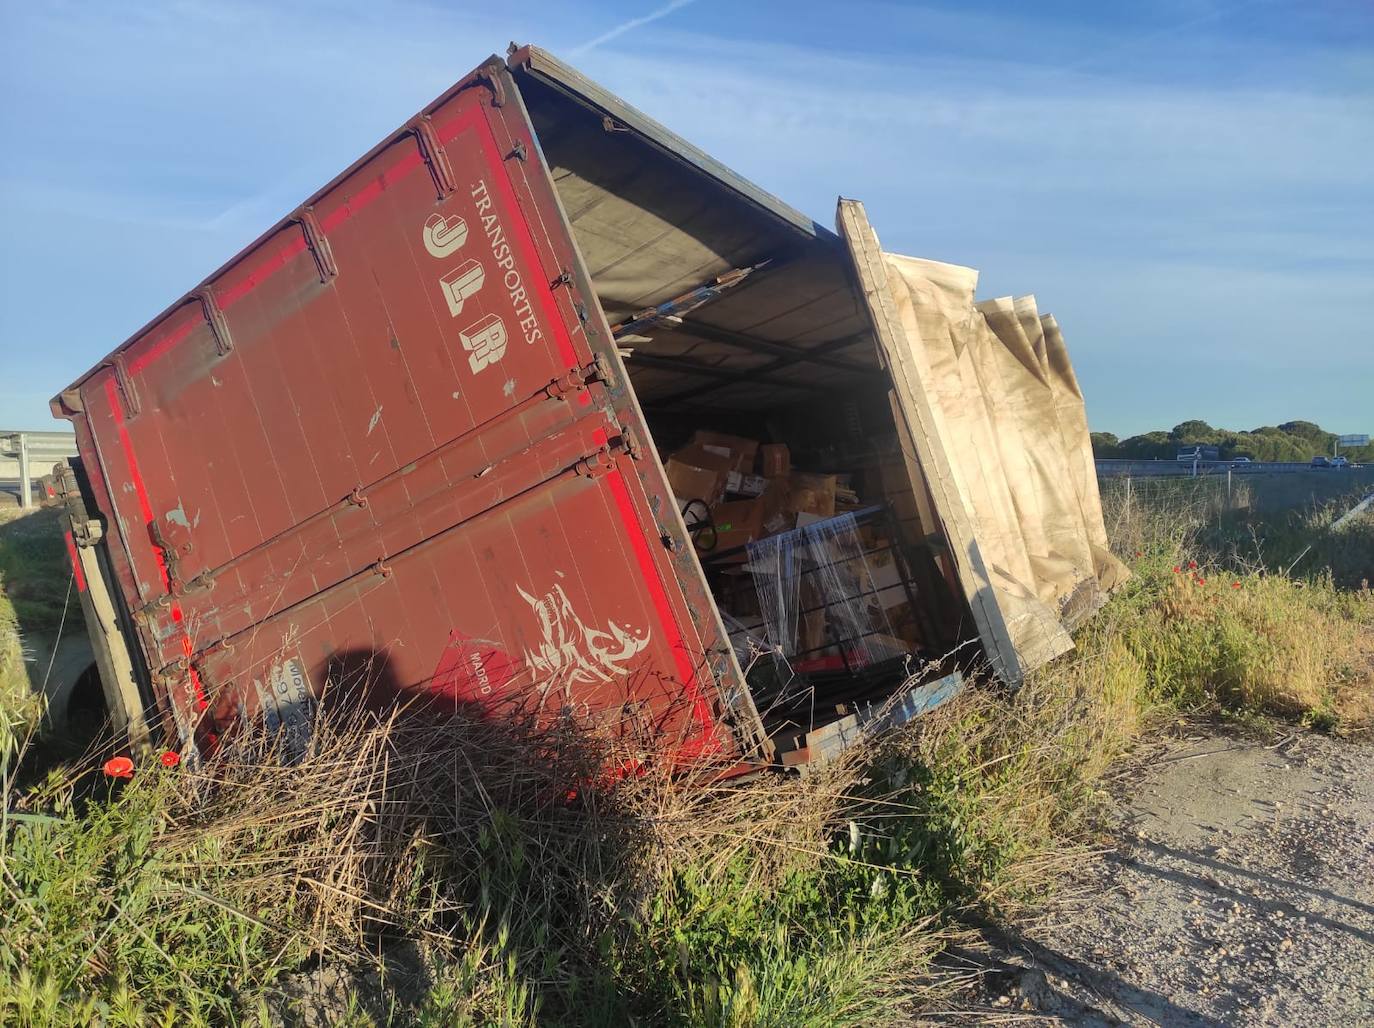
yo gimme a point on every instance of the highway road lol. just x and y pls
(1179, 469)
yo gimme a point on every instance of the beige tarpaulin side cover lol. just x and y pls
(997, 436)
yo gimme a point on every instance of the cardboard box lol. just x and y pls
(887, 581)
(775, 460)
(812, 637)
(695, 473)
(812, 494)
(714, 458)
(690, 483)
(777, 514)
(737, 522)
(778, 521)
(904, 623)
(745, 485)
(741, 451)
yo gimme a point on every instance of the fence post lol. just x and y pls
(25, 486)
(1128, 500)
(1228, 487)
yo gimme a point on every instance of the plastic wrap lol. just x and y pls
(816, 590)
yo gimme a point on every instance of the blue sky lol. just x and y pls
(1187, 184)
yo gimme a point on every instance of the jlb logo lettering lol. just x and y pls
(485, 339)
(460, 283)
(485, 342)
(444, 235)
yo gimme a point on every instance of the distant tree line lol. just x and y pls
(1291, 441)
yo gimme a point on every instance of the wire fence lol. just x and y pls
(1146, 513)
(1112, 467)
(1154, 513)
(1206, 495)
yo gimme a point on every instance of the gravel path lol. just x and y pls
(1239, 890)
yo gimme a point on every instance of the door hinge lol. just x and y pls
(518, 151)
(125, 385)
(491, 73)
(594, 465)
(577, 379)
(152, 609)
(573, 381)
(317, 243)
(171, 555)
(434, 155)
(214, 317)
(600, 370)
(629, 442)
(87, 532)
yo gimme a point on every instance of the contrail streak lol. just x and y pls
(625, 27)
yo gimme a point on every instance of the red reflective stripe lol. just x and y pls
(267, 261)
(525, 240)
(701, 710)
(201, 701)
(365, 196)
(76, 564)
(270, 262)
(145, 508)
(141, 491)
(158, 348)
(267, 264)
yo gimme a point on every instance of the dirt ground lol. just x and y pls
(1238, 889)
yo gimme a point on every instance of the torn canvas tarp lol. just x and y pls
(997, 440)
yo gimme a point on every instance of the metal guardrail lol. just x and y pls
(1353, 513)
(1108, 467)
(26, 455)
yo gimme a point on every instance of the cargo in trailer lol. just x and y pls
(539, 409)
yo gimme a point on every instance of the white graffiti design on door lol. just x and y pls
(573, 652)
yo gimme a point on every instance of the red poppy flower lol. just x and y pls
(1177, 569)
(170, 758)
(119, 767)
(1235, 585)
(1202, 581)
(1192, 565)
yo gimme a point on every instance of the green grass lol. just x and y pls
(1242, 612)
(34, 591)
(1195, 517)
(34, 567)
(110, 926)
(437, 872)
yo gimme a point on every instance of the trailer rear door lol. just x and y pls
(1018, 631)
(392, 441)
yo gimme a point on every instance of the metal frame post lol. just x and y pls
(25, 483)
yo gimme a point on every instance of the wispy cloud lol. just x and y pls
(1184, 182)
(1171, 218)
(627, 26)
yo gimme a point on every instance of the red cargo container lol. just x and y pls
(395, 438)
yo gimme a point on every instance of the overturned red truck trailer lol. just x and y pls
(411, 434)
